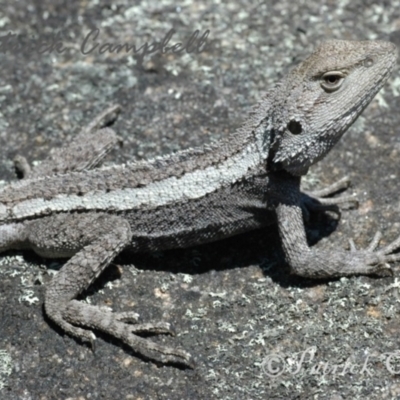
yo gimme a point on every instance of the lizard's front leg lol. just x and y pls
(93, 241)
(316, 263)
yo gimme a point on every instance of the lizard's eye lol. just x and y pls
(332, 81)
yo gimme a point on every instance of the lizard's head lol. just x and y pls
(323, 96)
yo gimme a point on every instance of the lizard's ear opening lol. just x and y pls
(294, 127)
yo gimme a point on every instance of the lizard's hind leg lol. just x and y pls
(92, 241)
(81, 152)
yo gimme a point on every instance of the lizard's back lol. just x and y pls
(185, 198)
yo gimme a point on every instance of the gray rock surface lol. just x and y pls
(233, 303)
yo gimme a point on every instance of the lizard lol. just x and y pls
(70, 206)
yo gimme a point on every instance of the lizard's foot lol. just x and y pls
(368, 261)
(377, 261)
(317, 200)
(123, 326)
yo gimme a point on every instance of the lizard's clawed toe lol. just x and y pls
(376, 259)
(320, 200)
(123, 326)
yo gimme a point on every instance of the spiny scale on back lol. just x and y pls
(295, 125)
